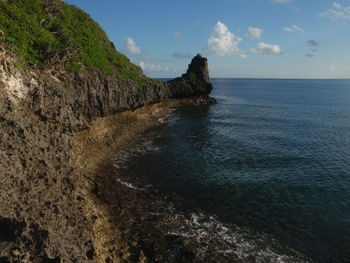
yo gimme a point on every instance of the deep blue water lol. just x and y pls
(271, 157)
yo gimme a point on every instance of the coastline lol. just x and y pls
(102, 163)
(58, 128)
(135, 223)
(129, 224)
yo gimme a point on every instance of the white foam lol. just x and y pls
(206, 228)
(129, 185)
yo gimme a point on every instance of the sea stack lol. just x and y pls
(195, 82)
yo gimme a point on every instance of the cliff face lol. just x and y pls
(41, 109)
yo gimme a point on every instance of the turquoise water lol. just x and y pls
(272, 157)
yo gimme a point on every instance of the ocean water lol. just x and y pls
(271, 158)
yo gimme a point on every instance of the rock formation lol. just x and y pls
(195, 82)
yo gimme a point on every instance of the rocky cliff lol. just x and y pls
(52, 90)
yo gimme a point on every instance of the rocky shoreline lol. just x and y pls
(138, 226)
(58, 203)
(68, 99)
(160, 224)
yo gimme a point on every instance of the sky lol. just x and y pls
(240, 38)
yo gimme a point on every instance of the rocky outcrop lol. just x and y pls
(195, 82)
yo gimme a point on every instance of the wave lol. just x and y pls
(207, 228)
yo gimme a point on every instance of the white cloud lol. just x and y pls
(337, 12)
(267, 49)
(293, 28)
(224, 43)
(177, 34)
(333, 68)
(152, 67)
(255, 32)
(337, 5)
(131, 46)
(283, 1)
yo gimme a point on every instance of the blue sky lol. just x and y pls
(241, 38)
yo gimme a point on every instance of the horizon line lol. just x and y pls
(263, 78)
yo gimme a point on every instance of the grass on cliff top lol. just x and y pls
(41, 31)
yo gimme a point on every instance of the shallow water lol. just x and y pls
(271, 158)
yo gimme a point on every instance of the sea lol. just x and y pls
(270, 161)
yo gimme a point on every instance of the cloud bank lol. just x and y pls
(337, 12)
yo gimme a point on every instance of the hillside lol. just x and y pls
(51, 31)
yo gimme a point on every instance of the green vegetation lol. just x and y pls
(41, 31)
